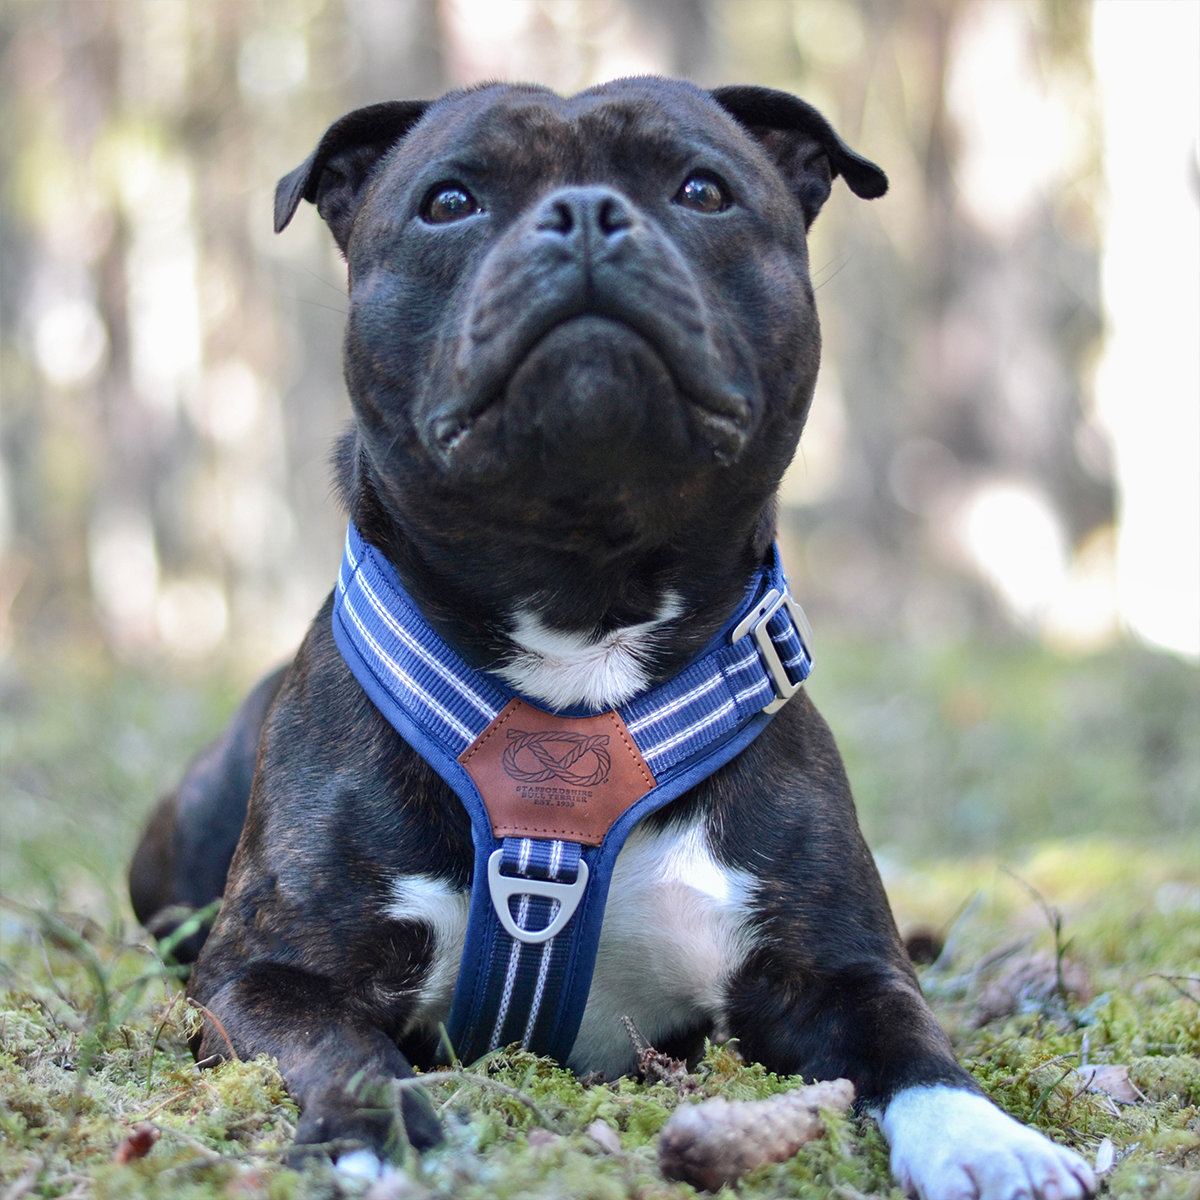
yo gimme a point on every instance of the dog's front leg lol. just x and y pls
(829, 991)
(337, 1065)
(871, 1025)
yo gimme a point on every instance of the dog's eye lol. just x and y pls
(703, 193)
(448, 202)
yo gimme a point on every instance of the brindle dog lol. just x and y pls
(581, 347)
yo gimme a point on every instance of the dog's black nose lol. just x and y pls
(578, 212)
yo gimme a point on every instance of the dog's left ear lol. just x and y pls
(803, 144)
(333, 175)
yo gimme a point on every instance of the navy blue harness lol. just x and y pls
(537, 902)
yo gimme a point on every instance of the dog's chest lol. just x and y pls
(676, 929)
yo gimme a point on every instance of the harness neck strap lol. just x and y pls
(552, 795)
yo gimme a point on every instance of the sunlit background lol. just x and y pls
(1005, 445)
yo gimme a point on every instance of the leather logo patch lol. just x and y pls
(546, 776)
(534, 757)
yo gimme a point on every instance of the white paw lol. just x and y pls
(950, 1144)
(363, 1164)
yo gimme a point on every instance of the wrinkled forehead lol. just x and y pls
(646, 123)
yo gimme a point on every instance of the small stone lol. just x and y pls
(605, 1136)
(397, 1185)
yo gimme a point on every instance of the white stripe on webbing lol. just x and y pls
(510, 977)
(685, 734)
(701, 689)
(750, 659)
(404, 677)
(759, 685)
(456, 681)
(540, 990)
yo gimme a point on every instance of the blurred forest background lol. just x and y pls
(994, 518)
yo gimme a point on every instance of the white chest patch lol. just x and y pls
(676, 929)
(572, 668)
(950, 1144)
(428, 901)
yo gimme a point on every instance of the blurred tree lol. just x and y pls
(170, 372)
(961, 312)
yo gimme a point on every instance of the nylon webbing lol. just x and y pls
(510, 990)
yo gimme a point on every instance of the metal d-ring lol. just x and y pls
(502, 887)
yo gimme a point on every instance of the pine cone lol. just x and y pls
(713, 1143)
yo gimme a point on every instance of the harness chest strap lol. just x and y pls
(553, 795)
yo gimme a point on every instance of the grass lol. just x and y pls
(93, 1028)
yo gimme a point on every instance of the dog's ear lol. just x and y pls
(333, 175)
(803, 144)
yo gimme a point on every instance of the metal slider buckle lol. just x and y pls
(502, 887)
(755, 622)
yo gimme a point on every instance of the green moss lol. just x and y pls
(980, 744)
(1171, 1077)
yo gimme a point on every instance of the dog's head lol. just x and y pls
(580, 324)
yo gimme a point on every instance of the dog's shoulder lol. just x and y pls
(342, 810)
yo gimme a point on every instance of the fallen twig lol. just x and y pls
(1055, 921)
(220, 1028)
(1174, 981)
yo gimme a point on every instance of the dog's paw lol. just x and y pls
(334, 1120)
(364, 1164)
(951, 1144)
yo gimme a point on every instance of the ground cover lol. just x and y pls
(1069, 977)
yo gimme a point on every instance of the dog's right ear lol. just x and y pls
(333, 175)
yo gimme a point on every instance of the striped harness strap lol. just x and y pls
(552, 795)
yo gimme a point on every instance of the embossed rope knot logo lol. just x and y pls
(579, 759)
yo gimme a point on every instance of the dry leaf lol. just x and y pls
(249, 1182)
(1030, 979)
(1113, 1080)
(137, 1143)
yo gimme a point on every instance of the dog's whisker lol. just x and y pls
(321, 279)
(841, 267)
(341, 312)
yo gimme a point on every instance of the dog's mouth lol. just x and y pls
(605, 379)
